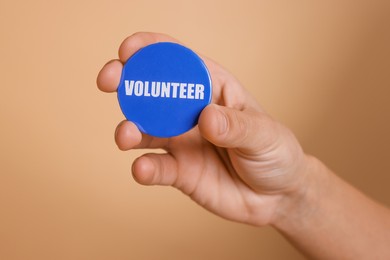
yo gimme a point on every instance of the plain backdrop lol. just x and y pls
(66, 192)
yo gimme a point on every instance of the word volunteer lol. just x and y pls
(164, 89)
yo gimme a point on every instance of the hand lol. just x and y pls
(238, 162)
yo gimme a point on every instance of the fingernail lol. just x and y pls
(222, 121)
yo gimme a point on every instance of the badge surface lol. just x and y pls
(163, 89)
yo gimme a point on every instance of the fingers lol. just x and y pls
(227, 91)
(231, 128)
(139, 40)
(155, 169)
(109, 76)
(128, 136)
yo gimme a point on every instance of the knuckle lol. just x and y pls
(241, 127)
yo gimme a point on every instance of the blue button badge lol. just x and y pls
(163, 89)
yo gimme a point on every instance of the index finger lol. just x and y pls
(109, 76)
(135, 42)
(139, 40)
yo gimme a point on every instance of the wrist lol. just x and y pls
(296, 206)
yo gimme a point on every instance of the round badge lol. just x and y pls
(163, 89)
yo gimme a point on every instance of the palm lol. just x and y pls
(206, 174)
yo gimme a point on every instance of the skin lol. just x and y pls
(244, 166)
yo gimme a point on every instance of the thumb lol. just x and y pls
(248, 130)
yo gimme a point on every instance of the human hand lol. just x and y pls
(238, 162)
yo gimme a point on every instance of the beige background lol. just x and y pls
(321, 67)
